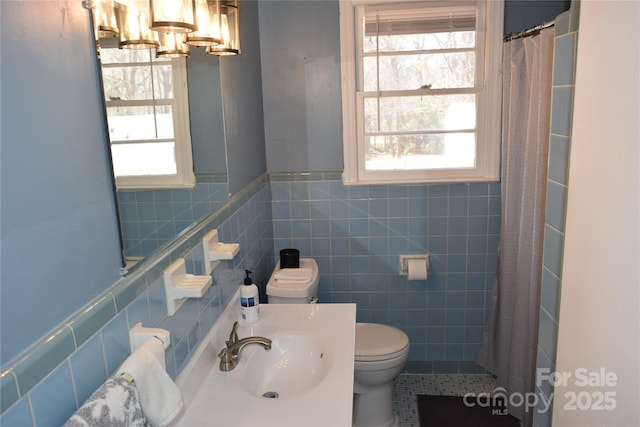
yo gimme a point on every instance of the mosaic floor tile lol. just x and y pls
(407, 386)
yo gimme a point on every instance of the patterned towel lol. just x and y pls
(114, 404)
(160, 398)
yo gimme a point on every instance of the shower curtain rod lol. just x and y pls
(529, 32)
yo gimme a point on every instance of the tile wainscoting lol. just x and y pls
(50, 381)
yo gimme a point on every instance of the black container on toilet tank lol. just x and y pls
(289, 258)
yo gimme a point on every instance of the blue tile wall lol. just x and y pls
(565, 45)
(357, 233)
(151, 218)
(51, 381)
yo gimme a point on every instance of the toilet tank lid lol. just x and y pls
(295, 289)
(374, 341)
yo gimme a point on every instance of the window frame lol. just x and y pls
(184, 176)
(488, 101)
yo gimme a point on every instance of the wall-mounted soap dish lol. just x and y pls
(139, 334)
(178, 285)
(215, 251)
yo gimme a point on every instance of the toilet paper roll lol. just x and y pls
(417, 269)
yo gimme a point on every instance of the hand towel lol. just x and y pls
(115, 403)
(160, 397)
(293, 274)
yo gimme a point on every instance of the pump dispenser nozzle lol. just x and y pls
(247, 280)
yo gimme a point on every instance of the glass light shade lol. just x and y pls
(134, 28)
(173, 16)
(208, 18)
(106, 22)
(172, 45)
(230, 27)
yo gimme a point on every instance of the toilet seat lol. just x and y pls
(376, 342)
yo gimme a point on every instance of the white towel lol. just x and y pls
(160, 397)
(115, 403)
(293, 274)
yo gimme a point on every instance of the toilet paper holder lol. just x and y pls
(403, 267)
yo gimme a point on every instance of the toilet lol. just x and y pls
(380, 355)
(381, 351)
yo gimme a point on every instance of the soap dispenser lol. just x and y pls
(249, 300)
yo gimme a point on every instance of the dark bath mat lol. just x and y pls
(451, 411)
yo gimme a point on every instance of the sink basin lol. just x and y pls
(306, 378)
(295, 364)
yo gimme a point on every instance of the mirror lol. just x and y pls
(150, 218)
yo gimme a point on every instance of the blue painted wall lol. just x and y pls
(60, 245)
(242, 99)
(523, 14)
(300, 44)
(205, 113)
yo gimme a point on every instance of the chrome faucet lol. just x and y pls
(230, 355)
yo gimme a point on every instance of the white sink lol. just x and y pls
(295, 364)
(305, 379)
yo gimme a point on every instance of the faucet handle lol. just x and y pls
(228, 360)
(233, 336)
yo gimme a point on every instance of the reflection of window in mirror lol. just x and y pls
(148, 118)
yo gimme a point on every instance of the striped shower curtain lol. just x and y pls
(510, 338)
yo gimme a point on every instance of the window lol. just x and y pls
(148, 118)
(421, 90)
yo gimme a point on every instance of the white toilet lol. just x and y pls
(380, 351)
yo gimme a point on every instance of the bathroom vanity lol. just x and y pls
(305, 378)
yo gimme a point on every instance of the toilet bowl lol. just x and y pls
(381, 352)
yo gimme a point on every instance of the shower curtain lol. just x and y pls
(510, 338)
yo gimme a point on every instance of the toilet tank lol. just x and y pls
(294, 285)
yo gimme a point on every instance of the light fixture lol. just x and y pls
(173, 16)
(134, 27)
(106, 21)
(230, 28)
(208, 18)
(147, 24)
(172, 45)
